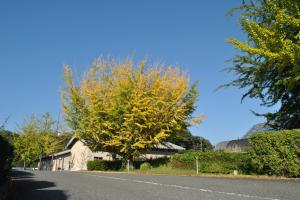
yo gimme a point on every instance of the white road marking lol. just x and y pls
(184, 187)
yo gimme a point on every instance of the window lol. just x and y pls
(98, 158)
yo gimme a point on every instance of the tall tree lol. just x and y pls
(125, 108)
(269, 66)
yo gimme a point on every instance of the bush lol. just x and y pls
(104, 165)
(276, 153)
(145, 166)
(6, 157)
(211, 162)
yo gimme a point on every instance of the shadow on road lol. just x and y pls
(25, 186)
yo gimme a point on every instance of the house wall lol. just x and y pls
(81, 154)
(62, 162)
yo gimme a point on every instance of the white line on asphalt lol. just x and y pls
(184, 187)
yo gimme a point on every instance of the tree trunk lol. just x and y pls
(128, 165)
(24, 165)
(51, 167)
(40, 164)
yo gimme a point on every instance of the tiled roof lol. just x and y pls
(58, 154)
(163, 145)
(168, 145)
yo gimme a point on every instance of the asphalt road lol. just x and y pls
(101, 186)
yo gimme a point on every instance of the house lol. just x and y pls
(78, 154)
(242, 145)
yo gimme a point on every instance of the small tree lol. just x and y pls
(27, 146)
(124, 108)
(37, 138)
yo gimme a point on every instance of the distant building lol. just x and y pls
(242, 145)
(260, 127)
(78, 154)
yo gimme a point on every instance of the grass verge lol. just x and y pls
(168, 171)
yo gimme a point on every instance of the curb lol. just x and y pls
(245, 177)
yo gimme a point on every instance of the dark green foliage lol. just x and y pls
(276, 153)
(181, 138)
(6, 157)
(210, 162)
(188, 141)
(8, 135)
(104, 165)
(200, 143)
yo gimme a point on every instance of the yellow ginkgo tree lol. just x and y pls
(125, 108)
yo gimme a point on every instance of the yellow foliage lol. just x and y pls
(124, 108)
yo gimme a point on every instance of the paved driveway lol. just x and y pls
(71, 185)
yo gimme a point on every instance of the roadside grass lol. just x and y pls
(168, 171)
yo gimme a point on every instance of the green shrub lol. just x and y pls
(211, 162)
(6, 157)
(276, 153)
(145, 166)
(104, 165)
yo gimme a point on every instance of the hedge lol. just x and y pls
(6, 157)
(104, 165)
(276, 153)
(211, 162)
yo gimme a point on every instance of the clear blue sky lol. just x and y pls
(38, 37)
